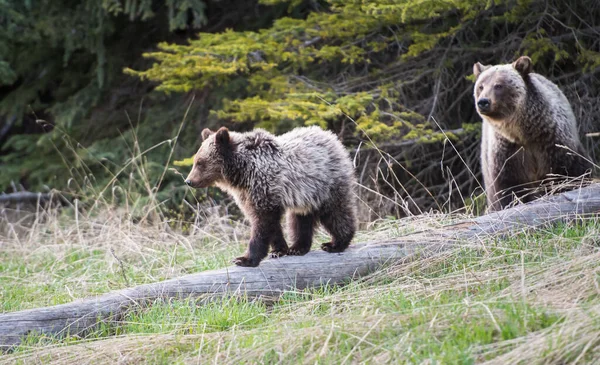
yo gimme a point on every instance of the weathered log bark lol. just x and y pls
(317, 268)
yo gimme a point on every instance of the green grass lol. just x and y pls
(186, 317)
(54, 267)
(49, 278)
(532, 297)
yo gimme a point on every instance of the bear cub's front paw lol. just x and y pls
(278, 253)
(331, 248)
(298, 251)
(244, 261)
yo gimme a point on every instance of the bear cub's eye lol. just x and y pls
(497, 87)
(480, 87)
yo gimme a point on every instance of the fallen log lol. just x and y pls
(25, 197)
(317, 268)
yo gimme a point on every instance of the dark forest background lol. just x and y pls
(102, 96)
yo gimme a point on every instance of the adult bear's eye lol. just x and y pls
(480, 87)
(497, 87)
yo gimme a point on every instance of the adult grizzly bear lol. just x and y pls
(525, 116)
(306, 172)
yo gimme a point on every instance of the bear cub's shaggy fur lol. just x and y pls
(306, 172)
(525, 116)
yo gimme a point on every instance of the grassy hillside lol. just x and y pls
(528, 298)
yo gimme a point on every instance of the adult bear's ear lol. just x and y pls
(523, 65)
(206, 133)
(478, 68)
(222, 137)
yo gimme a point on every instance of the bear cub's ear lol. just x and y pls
(523, 65)
(222, 136)
(478, 68)
(206, 133)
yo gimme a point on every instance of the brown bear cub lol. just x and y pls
(525, 118)
(306, 172)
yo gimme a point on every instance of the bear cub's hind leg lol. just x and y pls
(340, 224)
(301, 229)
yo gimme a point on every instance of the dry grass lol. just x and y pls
(98, 252)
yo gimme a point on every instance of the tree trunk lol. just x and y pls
(317, 268)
